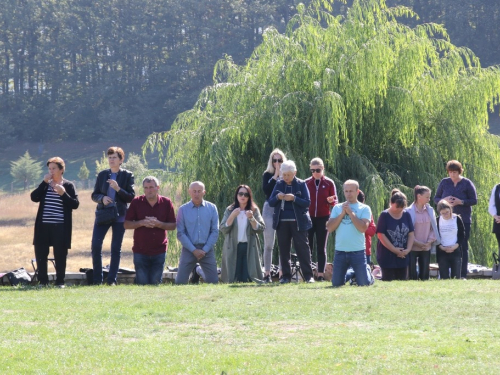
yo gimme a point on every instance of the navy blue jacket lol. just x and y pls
(124, 179)
(300, 205)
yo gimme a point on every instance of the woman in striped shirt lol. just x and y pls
(53, 225)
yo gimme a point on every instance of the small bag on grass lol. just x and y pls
(19, 276)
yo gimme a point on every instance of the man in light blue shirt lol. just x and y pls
(350, 220)
(197, 230)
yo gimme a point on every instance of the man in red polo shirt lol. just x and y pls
(150, 215)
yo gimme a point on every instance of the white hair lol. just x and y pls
(288, 166)
(151, 179)
(197, 183)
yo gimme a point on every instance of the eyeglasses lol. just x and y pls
(242, 194)
(277, 160)
(317, 170)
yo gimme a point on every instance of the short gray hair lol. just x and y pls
(288, 166)
(151, 179)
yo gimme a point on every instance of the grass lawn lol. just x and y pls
(444, 327)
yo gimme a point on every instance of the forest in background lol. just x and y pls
(80, 69)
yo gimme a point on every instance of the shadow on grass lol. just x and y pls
(15, 222)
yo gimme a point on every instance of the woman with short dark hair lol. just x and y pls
(461, 194)
(113, 186)
(395, 238)
(241, 225)
(53, 225)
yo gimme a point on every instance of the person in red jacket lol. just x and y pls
(323, 197)
(370, 232)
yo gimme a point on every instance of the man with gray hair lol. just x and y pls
(151, 216)
(197, 230)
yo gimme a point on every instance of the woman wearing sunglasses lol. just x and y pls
(323, 196)
(241, 251)
(269, 178)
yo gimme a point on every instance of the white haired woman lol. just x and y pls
(271, 175)
(291, 220)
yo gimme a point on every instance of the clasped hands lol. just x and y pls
(150, 222)
(237, 211)
(453, 201)
(401, 252)
(286, 197)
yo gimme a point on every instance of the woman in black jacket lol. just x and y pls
(53, 225)
(113, 186)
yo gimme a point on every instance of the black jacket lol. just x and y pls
(70, 203)
(124, 179)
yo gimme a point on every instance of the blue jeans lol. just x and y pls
(149, 268)
(116, 249)
(342, 261)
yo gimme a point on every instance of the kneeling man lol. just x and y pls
(350, 221)
(150, 215)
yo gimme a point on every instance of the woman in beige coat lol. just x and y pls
(241, 225)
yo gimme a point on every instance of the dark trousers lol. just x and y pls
(498, 241)
(423, 259)
(51, 235)
(116, 249)
(286, 231)
(319, 229)
(447, 261)
(390, 274)
(465, 250)
(241, 273)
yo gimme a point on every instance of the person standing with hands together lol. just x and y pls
(113, 186)
(53, 225)
(461, 194)
(271, 175)
(241, 251)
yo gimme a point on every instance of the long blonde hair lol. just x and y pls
(270, 166)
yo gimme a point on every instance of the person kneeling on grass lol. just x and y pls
(151, 216)
(350, 220)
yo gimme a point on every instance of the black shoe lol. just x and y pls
(284, 280)
(267, 279)
(320, 279)
(60, 286)
(195, 278)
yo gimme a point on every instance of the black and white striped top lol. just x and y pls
(53, 210)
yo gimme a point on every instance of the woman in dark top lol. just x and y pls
(53, 225)
(451, 231)
(114, 185)
(461, 194)
(395, 239)
(494, 211)
(269, 178)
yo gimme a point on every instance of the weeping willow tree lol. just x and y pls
(381, 102)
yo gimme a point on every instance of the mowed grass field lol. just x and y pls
(17, 219)
(434, 327)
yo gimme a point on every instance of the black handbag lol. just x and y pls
(19, 276)
(106, 214)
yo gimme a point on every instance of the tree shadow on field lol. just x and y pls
(14, 222)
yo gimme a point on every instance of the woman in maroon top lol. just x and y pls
(323, 196)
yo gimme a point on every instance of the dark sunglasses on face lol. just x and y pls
(242, 194)
(277, 160)
(317, 170)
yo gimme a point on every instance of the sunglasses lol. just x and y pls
(277, 160)
(242, 194)
(317, 170)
